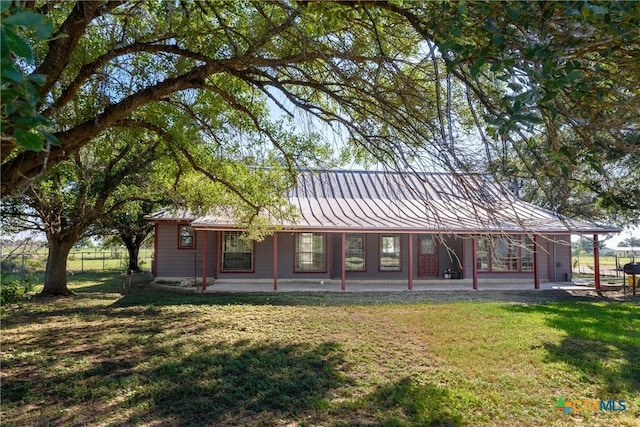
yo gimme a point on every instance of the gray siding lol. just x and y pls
(171, 261)
(454, 252)
(559, 258)
(372, 259)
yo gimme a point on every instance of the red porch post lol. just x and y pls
(474, 261)
(217, 248)
(343, 256)
(154, 261)
(275, 261)
(410, 280)
(536, 263)
(596, 262)
(204, 261)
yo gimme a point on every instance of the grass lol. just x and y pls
(154, 358)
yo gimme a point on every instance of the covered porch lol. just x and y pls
(408, 260)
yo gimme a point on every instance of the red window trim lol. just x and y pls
(195, 238)
(490, 269)
(253, 257)
(295, 253)
(380, 270)
(364, 247)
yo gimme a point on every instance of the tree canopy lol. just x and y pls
(539, 92)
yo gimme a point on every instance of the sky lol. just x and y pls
(625, 234)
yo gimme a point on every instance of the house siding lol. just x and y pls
(559, 266)
(171, 261)
(454, 252)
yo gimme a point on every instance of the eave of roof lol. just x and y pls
(171, 215)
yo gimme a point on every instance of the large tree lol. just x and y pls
(130, 227)
(142, 61)
(97, 182)
(553, 89)
(407, 83)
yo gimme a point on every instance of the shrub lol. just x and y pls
(12, 289)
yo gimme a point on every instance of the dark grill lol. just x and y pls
(632, 268)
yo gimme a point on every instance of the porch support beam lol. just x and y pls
(154, 261)
(275, 261)
(217, 248)
(474, 261)
(343, 261)
(204, 261)
(410, 280)
(536, 263)
(596, 262)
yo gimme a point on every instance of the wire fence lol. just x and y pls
(608, 265)
(79, 261)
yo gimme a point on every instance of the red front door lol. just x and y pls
(427, 256)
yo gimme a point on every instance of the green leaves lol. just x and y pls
(19, 95)
(23, 19)
(28, 140)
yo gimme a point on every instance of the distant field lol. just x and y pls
(82, 260)
(585, 264)
(317, 359)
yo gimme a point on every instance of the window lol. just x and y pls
(527, 254)
(355, 257)
(390, 253)
(509, 253)
(237, 252)
(504, 255)
(309, 252)
(186, 238)
(482, 260)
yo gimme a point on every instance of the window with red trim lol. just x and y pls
(355, 256)
(309, 252)
(237, 252)
(390, 252)
(186, 237)
(505, 253)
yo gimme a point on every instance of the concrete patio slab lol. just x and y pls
(386, 286)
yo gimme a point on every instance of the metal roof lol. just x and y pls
(377, 201)
(169, 214)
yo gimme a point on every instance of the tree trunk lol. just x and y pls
(134, 251)
(55, 278)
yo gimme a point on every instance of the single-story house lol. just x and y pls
(378, 226)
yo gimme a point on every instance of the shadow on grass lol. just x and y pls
(405, 403)
(150, 296)
(602, 342)
(218, 384)
(150, 371)
(96, 282)
(241, 384)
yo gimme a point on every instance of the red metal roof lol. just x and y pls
(377, 201)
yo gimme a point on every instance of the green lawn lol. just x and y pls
(153, 358)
